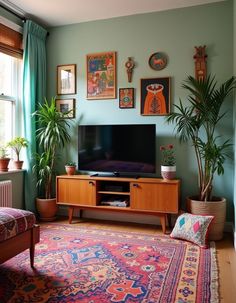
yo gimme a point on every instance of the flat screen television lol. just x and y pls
(117, 149)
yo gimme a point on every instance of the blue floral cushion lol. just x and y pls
(193, 228)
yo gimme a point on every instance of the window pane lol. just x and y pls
(6, 74)
(6, 120)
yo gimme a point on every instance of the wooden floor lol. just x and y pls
(226, 255)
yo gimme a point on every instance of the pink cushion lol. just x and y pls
(14, 221)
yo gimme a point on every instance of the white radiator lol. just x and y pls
(6, 193)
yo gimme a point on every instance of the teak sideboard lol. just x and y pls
(144, 195)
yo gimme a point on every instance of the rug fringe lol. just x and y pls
(214, 275)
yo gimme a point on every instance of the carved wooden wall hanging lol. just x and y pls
(129, 68)
(200, 62)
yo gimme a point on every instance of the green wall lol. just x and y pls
(174, 32)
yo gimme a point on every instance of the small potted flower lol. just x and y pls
(70, 168)
(168, 168)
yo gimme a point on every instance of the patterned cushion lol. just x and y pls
(193, 228)
(14, 221)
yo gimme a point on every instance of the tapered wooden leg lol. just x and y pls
(34, 240)
(169, 220)
(163, 222)
(71, 211)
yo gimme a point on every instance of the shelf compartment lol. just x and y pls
(114, 193)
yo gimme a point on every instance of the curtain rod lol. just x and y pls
(15, 14)
(12, 12)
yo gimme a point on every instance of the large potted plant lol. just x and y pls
(197, 123)
(52, 135)
(16, 145)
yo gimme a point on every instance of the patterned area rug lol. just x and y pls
(87, 265)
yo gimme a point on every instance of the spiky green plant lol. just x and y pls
(52, 135)
(197, 123)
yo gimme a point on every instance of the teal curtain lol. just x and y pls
(34, 91)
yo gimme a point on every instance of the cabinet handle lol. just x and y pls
(135, 185)
(91, 182)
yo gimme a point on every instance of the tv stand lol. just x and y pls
(151, 196)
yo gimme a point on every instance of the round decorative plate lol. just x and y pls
(158, 61)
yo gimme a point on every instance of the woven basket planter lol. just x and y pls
(210, 208)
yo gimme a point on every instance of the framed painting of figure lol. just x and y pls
(155, 96)
(101, 76)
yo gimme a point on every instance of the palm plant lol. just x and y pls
(197, 123)
(52, 135)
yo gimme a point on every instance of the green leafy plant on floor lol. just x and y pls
(52, 134)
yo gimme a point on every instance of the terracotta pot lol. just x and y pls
(168, 172)
(70, 170)
(4, 164)
(211, 208)
(18, 164)
(47, 209)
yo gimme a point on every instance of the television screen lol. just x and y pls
(117, 148)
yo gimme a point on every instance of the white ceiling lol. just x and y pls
(62, 12)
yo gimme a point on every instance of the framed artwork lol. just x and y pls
(126, 97)
(66, 79)
(158, 61)
(155, 96)
(66, 106)
(101, 76)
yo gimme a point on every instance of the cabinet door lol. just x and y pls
(155, 197)
(81, 192)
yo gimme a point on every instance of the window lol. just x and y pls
(10, 92)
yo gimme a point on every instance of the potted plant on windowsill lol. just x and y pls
(4, 159)
(52, 135)
(16, 145)
(70, 168)
(197, 123)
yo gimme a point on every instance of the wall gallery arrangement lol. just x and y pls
(101, 84)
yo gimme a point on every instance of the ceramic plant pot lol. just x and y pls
(18, 164)
(47, 209)
(70, 170)
(168, 172)
(4, 164)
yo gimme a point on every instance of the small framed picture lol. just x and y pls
(155, 96)
(126, 98)
(66, 106)
(66, 79)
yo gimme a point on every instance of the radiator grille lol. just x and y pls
(6, 193)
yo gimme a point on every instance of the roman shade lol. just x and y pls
(10, 42)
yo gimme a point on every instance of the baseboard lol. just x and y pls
(134, 218)
(113, 216)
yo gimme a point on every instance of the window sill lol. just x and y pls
(12, 171)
